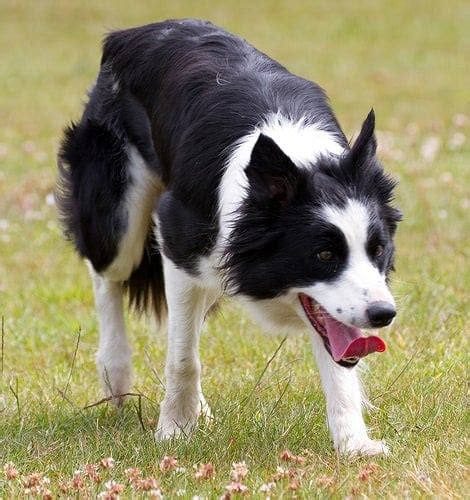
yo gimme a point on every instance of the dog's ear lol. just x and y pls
(271, 173)
(365, 146)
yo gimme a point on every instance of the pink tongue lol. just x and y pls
(348, 342)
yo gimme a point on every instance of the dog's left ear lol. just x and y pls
(272, 175)
(365, 146)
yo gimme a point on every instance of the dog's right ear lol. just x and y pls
(272, 175)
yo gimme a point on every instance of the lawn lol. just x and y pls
(409, 60)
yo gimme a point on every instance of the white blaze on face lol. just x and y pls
(361, 282)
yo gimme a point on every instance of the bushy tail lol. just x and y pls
(146, 285)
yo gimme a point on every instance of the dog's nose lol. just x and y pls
(381, 313)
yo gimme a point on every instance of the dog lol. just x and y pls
(202, 168)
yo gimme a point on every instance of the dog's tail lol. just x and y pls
(146, 285)
(83, 148)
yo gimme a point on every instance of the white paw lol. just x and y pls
(168, 429)
(116, 380)
(179, 420)
(174, 426)
(363, 446)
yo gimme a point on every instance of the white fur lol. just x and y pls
(142, 188)
(303, 142)
(361, 282)
(188, 304)
(113, 358)
(275, 315)
(234, 185)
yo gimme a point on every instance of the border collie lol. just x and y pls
(201, 168)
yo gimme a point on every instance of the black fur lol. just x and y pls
(145, 285)
(92, 183)
(272, 175)
(203, 89)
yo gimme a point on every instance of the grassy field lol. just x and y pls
(407, 59)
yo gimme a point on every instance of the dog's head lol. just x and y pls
(319, 239)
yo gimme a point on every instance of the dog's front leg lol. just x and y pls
(187, 307)
(344, 405)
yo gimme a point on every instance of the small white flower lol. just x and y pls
(50, 200)
(446, 177)
(456, 141)
(465, 203)
(442, 214)
(239, 471)
(430, 148)
(266, 487)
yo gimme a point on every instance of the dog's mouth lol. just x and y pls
(346, 344)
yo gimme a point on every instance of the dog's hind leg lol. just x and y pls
(106, 193)
(344, 401)
(187, 308)
(113, 358)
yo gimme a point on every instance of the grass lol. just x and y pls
(407, 59)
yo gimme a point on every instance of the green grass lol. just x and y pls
(407, 59)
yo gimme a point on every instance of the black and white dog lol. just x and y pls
(201, 167)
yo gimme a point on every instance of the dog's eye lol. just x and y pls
(378, 251)
(325, 256)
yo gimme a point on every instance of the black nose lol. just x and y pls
(381, 313)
